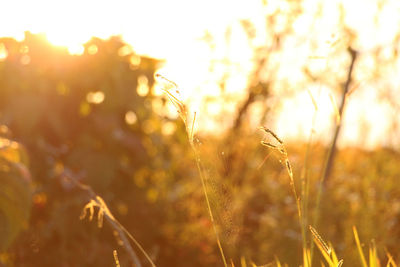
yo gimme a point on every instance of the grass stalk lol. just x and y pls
(183, 113)
(305, 189)
(203, 183)
(123, 233)
(282, 150)
(360, 251)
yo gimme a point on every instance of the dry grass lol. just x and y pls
(172, 92)
(121, 233)
(276, 144)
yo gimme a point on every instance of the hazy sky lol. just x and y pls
(172, 30)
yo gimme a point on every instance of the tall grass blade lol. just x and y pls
(182, 110)
(243, 262)
(360, 252)
(322, 246)
(278, 263)
(390, 260)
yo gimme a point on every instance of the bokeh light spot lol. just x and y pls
(76, 49)
(168, 128)
(134, 61)
(143, 87)
(125, 51)
(130, 117)
(92, 49)
(95, 97)
(3, 52)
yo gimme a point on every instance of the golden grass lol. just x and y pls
(183, 113)
(120, 231)
(277, 145)
(373, 258)
(115, 254)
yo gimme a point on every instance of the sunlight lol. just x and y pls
(95, 97)
(3, 52)
(73, 43)
(160, 29)
(130, 117)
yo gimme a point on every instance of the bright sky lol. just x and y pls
(172, 30)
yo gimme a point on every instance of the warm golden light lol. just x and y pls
(92, 50)
(130, 117)
(199, 133)
(25, 59)
(125, 50)
(198, 66)
(3, 52)
(95, 97)
(135, 61)
(143, 87)
(24, 49)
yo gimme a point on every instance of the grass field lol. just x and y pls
(76, 142)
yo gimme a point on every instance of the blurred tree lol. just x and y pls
(78, 116)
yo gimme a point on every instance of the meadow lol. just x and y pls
(93, 174)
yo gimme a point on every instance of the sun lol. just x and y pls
(65, 23)
(74, 45)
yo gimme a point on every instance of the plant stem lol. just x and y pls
(118, 227)
(203, 183)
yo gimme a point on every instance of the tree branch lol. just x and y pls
(332, 150)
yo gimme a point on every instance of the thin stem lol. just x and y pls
(181, 108)
(117, 226)
(203, 183)
(281, 149)
(306, 181)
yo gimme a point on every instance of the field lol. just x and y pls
(92, 173)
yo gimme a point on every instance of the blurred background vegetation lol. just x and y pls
(99, 119)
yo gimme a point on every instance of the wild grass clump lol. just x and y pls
(309, 234)
(271, 140)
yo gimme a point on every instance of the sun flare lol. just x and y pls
(162, 30)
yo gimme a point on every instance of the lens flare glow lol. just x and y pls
(191, 34)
